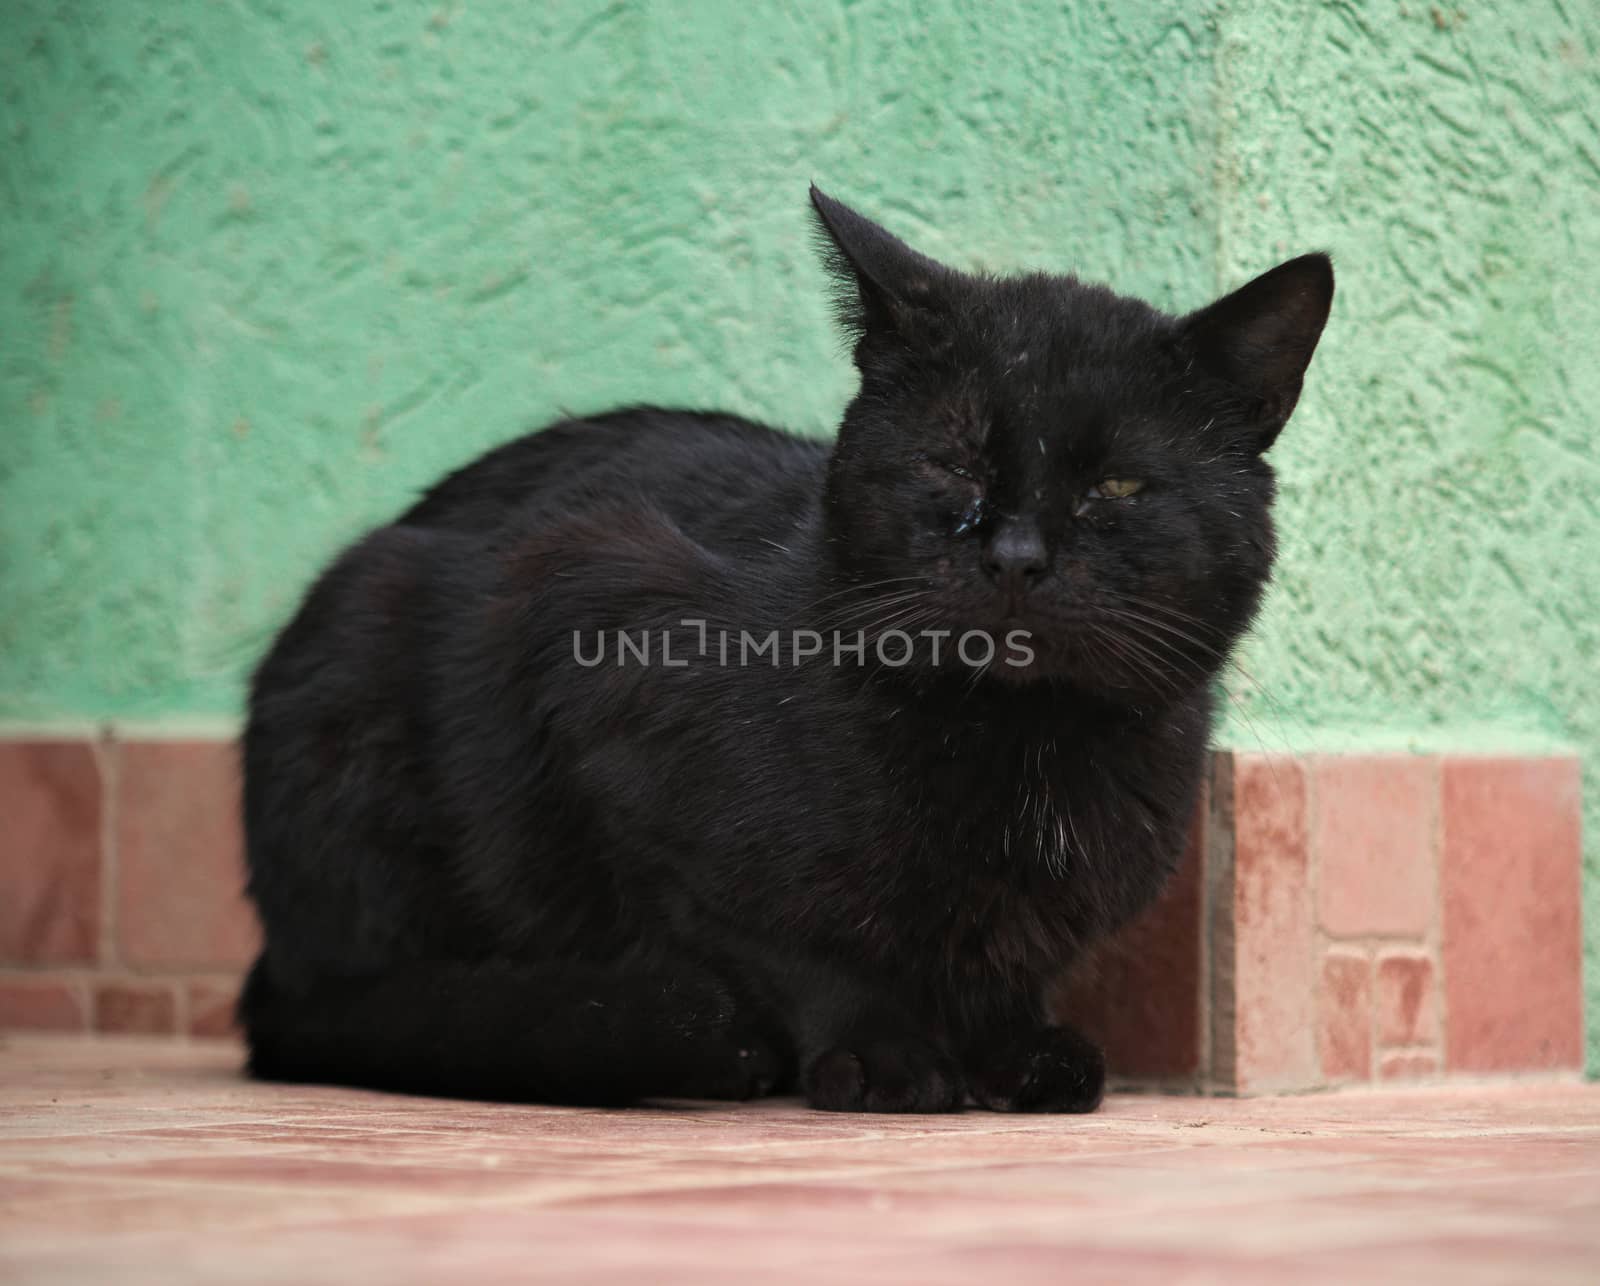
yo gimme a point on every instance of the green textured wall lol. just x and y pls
(267, 268)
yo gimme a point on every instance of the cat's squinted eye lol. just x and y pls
(948, 466)
(1115, 489)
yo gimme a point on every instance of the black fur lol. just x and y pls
(485, 868)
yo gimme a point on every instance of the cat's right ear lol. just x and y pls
(882, 287)
(1260, 338)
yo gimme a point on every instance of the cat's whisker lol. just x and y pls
(1152, 669)
(1295, 721)
(905, 620)
(1168, 629)
(1135, 627)
(1168, 638)
(1162, 609)
(1250, 724)
(880, 596)
(859, 611)
(1110, 644)
(1236, 702)
(1179, 658)
(1170, 617)
(862, 587)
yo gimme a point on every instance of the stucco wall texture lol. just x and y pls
(268, 268)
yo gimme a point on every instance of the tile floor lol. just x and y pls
(127, 1160)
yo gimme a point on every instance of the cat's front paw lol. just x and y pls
(736, 1066)
(884, 1076)
(718, 1047)
(1053, 1069)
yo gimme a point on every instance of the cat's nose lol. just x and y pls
(1015, 556)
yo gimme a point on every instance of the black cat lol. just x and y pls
(663, 753)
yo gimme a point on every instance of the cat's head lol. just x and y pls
(1034, 453)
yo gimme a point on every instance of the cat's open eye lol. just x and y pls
(1115, 488)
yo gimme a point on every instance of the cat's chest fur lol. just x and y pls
(999, 844)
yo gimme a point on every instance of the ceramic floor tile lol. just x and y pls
(124, 1160)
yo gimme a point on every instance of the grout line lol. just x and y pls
(1433, 944)
(1321, 944)
(82, 981)
(1390, 943)
(108, 759)
(1208, 964)
(84, 971)
(171, 728)
(1311, 911)
(1218, 890)
(1202, 841)
(180, 1009)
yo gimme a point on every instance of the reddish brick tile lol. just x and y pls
(41, 1004)
(1373, 836)
(1271, 966)
(1140, 998)
(1344, 1013)
(211, 1008)
(1408, 1066)
(180, 855)
(148, 1008)
(49, 852)
(1407, 1000)
(1512, 944)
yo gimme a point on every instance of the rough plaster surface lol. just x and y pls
(267, 268)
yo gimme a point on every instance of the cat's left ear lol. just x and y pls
(1260, 338)
(885, 290)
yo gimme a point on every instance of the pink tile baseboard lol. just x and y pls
(1344, 1016)
(180, 879)
(136, 1006)
(1262, 936)
(1334, 919)
(117, 1002)
(43, 1003)
(50, 852)
(1407, 999)
(1374, 836)
(1512, 935)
